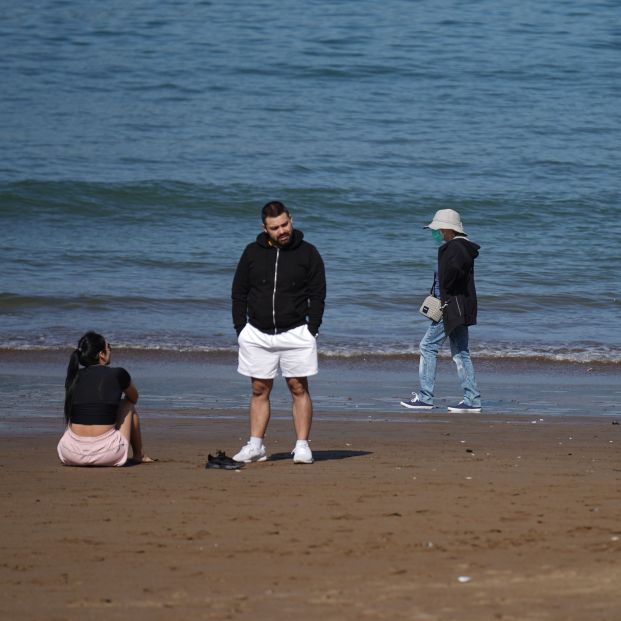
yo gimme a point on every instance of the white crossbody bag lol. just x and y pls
(432, 306)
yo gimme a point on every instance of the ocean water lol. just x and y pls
(139, 141)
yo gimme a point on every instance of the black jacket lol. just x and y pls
(456, 276)
(278, 289)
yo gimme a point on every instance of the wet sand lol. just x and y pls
(440, 517)
(195, 383)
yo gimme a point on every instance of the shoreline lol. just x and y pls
(184, 384)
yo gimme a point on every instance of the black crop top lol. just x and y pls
(97, 394)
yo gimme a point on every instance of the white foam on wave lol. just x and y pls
(588, 354)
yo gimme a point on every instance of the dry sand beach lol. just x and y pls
(426, 517)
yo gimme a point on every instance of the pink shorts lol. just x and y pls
(108, 449)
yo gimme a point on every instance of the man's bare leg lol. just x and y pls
(260, 406)
(302, 406)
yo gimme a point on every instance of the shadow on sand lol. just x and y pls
(322, 455)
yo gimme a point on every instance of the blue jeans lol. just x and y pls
(429, 348)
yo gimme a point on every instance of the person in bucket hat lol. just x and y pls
(447, 219)
(454, 285)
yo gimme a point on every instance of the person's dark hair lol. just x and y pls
(273, 209)
(86, 354)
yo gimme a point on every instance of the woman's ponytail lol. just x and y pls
(86, 354)
(72, 372)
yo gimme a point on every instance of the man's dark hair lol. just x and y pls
(273, 209)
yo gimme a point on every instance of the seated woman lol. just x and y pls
(101, 423)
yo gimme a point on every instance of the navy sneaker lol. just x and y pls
(462, 407)
(222, 462)
(416, 404)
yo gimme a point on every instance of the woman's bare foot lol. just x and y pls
(143, 459)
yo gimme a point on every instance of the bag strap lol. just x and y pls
(431, 291)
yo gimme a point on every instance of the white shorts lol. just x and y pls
(260, 354)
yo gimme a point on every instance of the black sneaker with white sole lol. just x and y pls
(416, 404)
(223, 462)
(462, 407)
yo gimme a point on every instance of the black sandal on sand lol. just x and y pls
(223, 462)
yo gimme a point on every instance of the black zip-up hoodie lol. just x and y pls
(456, 275)
(278, 289)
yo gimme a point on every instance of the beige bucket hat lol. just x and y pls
(446, 219)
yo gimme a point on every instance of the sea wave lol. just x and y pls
(588, 356)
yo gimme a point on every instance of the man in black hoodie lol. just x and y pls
(454, 285)
(278, 294)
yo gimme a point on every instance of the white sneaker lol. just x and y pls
(302, 455)
(249, 454)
